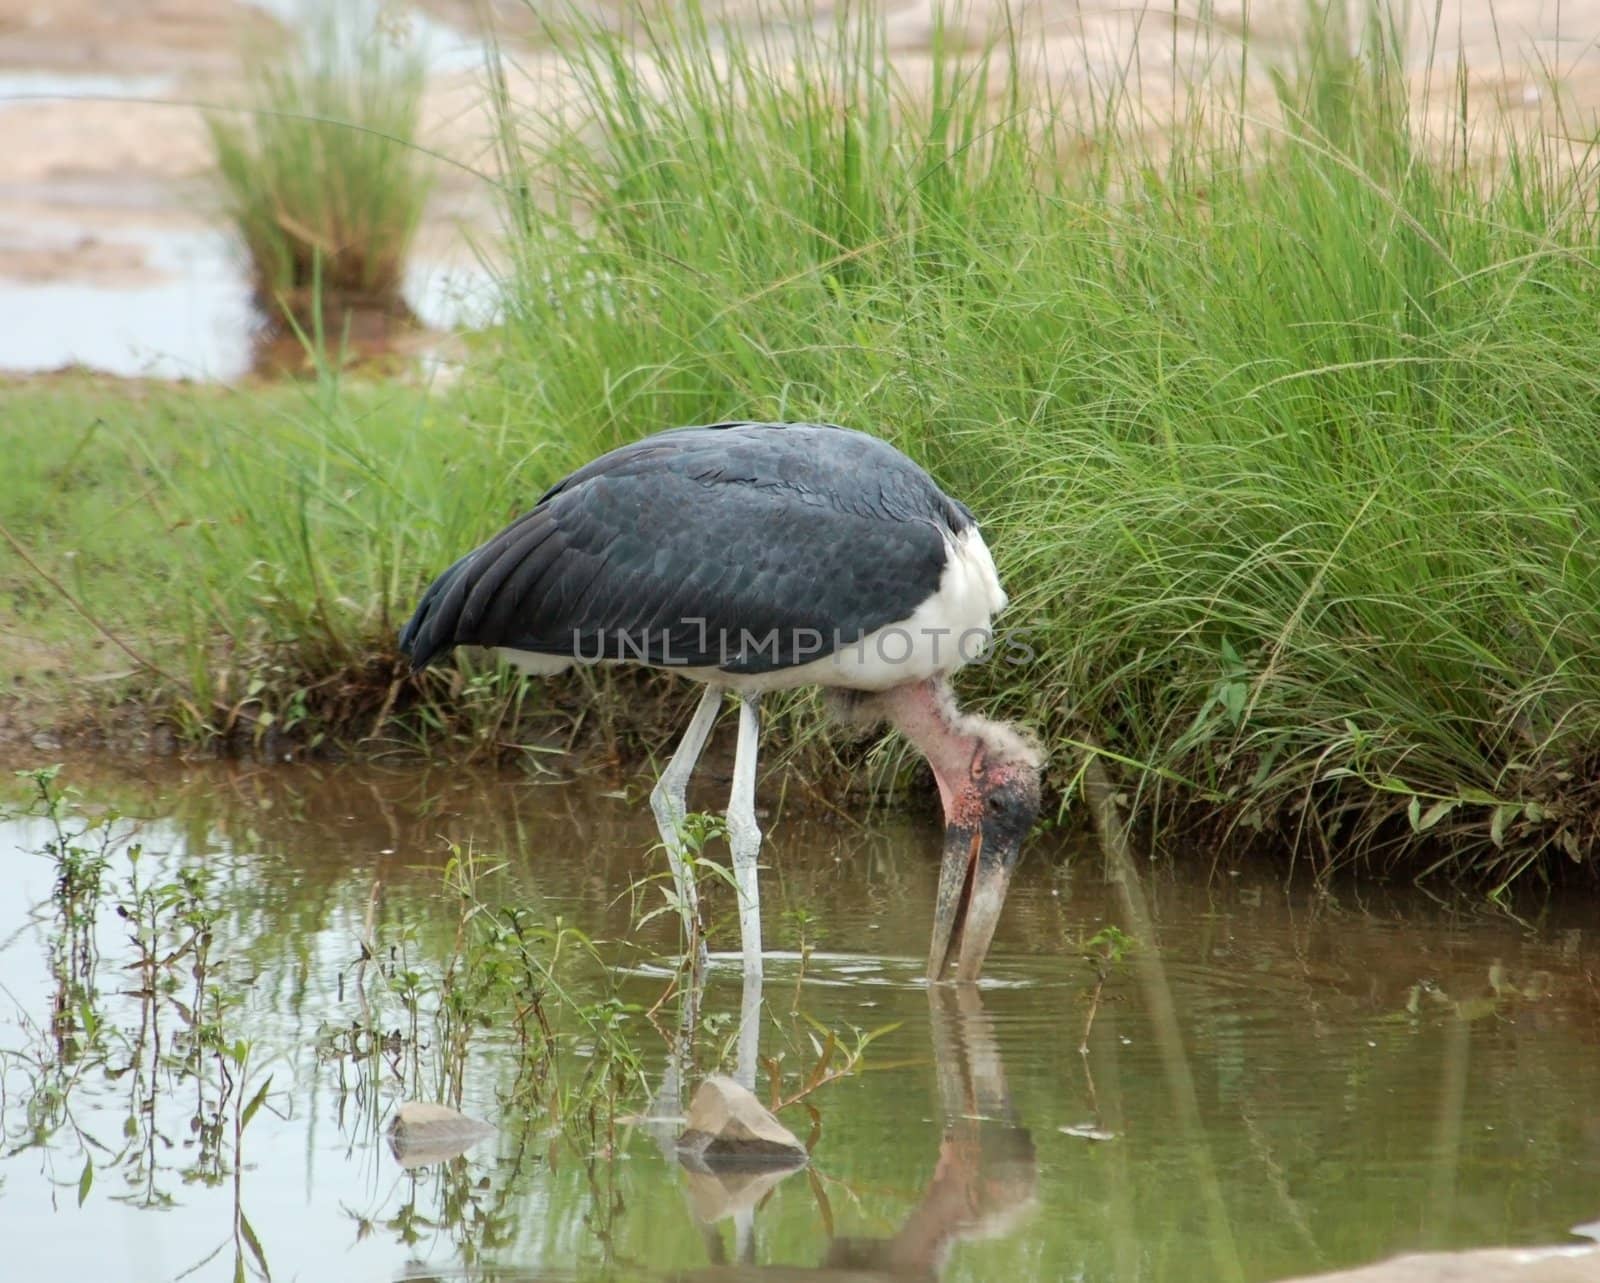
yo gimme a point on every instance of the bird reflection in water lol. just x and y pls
(983, 1184)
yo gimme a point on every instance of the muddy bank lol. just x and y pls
(618, 726)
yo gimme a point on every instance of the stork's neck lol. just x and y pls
(926, 714)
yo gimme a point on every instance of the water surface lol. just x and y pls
(194, 318)
(1274, 1082)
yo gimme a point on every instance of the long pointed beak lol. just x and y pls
(972, 888)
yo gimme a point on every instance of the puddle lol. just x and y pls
(1273, 1085)
(174, 302)
(193, 319)
(451, 296)
(444, 48)
(194, 322)
(30, 85)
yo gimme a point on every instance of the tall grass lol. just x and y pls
(1284, 436)
(1283, 432)
(319, 167)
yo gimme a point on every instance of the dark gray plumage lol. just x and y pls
(673, 548)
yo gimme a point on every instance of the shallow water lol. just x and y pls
(441, 46)
(20, 85)
(194, 318)
(1274, 1083)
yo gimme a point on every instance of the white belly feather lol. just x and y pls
(947, 631)
(534, 664)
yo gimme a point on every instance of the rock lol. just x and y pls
(728, 1127)
(1577, 1264)
(424, 1133)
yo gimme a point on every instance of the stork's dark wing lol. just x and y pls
(746, 547)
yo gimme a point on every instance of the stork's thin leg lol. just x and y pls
(749, 1031)
(744, 834)
(669, 801)
(744, 1236)
(744, 1220)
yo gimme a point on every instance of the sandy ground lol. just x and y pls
(103, 171)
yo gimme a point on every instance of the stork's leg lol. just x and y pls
(744, 1220)
(749, 1031)
(744, 834)
(669, 801)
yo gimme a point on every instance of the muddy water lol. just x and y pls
(192, 316)
(1273, 1083)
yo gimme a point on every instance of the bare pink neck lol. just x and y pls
(925, 713)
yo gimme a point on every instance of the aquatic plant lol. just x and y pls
(1104, 951)
(180, 1037)
(321, 174)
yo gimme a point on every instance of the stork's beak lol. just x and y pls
(972, 887)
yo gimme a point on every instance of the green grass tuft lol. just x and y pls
(319, 168)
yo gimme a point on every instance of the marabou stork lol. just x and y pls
(755, 557)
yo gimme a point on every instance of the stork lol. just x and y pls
(754, 557)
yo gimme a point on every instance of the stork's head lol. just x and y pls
(988, 809)
(988, 775)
